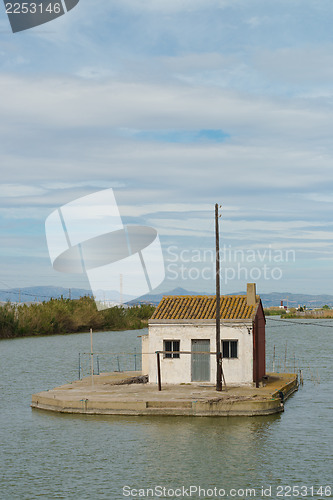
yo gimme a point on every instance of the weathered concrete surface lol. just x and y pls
(109, 396)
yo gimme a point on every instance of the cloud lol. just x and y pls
(173, 6)
(319, 197)
(254, 22)
(168, 208)
(262, 230)
(137, 95)
(302, 67)
(56, 185)
(67, 103)
(19, 191)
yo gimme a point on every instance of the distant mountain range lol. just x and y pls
(44, 293)
(268, 299)
(41, 293)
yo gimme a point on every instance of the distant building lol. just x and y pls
(187, 323)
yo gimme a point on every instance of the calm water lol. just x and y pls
(45, 455)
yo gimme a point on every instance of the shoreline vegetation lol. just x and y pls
(324, 313)
(62, 316)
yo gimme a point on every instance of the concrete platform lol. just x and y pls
(115, 394)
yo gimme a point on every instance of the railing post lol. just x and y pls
(97, 365)
(79, 366)
(135, 359)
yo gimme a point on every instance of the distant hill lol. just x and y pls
(156, 298)
(268, 299)
(44, 293)
(41, 293)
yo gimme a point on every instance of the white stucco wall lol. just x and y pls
(175, 371)
(145, 355)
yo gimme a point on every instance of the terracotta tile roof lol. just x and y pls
(203, 307)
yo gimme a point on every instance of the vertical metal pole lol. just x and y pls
(91, 358)
(274, 360)
(159, 371)
(135, 359)
(79, 366)
(118, 364)
(218, 322)
(97, 365)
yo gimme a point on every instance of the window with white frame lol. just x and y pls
(171, 348)
(230, 348)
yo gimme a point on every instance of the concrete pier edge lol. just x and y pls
(116, 394)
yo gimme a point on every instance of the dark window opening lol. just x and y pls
(171, 348)
(230, 348)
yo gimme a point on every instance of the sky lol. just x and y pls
(176, 105)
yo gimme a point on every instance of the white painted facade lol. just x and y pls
(179, 370)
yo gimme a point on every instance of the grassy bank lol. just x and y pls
(293, 313)
(68, 316)
(275, 312)
(317, 314)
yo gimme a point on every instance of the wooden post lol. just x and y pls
(159, 371)
(218, 323)
(301, 377)
(91, 358)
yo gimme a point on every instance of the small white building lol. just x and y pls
(184, 327)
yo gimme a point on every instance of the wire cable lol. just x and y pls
(297, 322)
